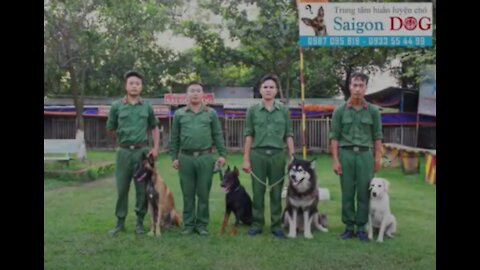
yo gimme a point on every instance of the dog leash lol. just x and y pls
(218, 169)
(269, 187)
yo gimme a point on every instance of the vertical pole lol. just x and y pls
(302, 87)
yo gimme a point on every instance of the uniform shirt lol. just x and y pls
(356, 126)
(268, 128)
(131, 121)
(196, 131)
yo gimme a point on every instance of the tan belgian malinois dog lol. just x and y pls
(161, 204)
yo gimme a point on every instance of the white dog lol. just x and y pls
(379, 216)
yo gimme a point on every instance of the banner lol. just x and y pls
(175, 99)
(365, 24)
(103, 110)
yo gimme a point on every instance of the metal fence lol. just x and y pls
(233, 130)
(64, 128)
(401, 135)
(316, 135)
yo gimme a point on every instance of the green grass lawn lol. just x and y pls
(77, 218)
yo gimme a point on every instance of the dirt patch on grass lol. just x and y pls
(90, 184)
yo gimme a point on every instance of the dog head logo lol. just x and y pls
(300, 173)
(145, 167)
(317, 23)
(230, 180)
(378, 187)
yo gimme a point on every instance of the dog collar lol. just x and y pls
(235, 189)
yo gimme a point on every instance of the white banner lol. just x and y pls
(365, 24)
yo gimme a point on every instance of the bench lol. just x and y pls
(60, 149)
(408, 157)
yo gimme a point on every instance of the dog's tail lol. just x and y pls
(318, 225)
(176, 217)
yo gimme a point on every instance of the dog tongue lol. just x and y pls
(225, 190)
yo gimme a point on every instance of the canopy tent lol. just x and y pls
(403, 99)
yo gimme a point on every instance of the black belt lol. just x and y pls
(356, 148)
(195, 153)
(268, 151)
(133, 146)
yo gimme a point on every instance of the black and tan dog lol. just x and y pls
(161, 204)
(317, 23)
(237, 201)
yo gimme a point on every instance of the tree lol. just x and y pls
(269, 43)
(90, 44)
(414, 60)
(70, 39)
(131, 31)
(115, 36)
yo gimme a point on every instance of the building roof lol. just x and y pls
(391, 97)
(233, 103)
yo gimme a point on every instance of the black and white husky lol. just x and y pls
(302, 200)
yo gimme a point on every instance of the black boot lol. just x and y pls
(139, 227)
(118, 228)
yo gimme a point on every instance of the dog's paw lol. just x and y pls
(150, 233)
(323, 229)
(308, 236)
(380, 240)
(158, 234)
(370, 236)
(291, 235)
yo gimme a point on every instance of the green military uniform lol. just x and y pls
(131, 123)
(356, 129)
(269, 130)
(193, 135)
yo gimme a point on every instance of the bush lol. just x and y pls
(90, 174)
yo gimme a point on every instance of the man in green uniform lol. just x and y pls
(128, 120)
(196, 128)
(356, 133)
(267, 128)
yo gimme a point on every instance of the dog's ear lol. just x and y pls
(151, 160)
(370, 184)
(386, 185)
(312, 163)
(228, 168)
(321, 12)
(235, 170)
(307, 21)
